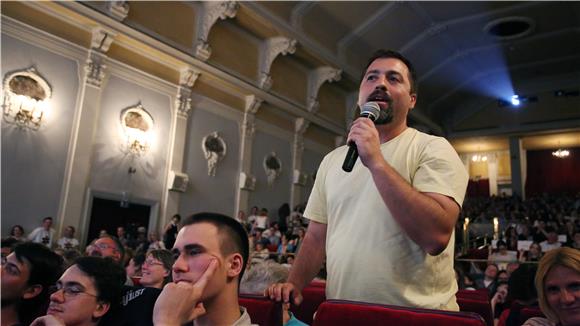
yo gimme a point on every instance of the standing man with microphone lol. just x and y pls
(386, 227)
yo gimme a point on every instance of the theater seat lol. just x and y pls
(525, 313)
(261, 309)
(342, 312)
(313, 297)
(479, 294)
(478, 306)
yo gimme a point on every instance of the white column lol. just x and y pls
(182, 108)
(492, 172)
(247, 130)
(298, 178)
(78, 167)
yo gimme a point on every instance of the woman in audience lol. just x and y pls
(502, 257)
(558, 286)
(17, 232)
(154, 242)
(134, 266)
(156, 270)
(533, 254)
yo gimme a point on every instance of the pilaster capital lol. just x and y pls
(300, 126)
(271, 48)
(316, 78)
(252, 104)
(118, 9)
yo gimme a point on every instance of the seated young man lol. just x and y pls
(86, 291)
(27, 274)
(211, 252)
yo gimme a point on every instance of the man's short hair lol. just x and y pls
(108, 275)
(45, 269)
(234, 238)
(386, 54)
(47, 218)
(166, 258)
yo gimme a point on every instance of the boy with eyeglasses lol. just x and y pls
(85, 293)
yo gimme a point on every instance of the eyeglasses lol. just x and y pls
(69, 291)
(104, 246)
(152, 262)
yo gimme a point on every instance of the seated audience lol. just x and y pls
(259, 277)
(68, 240)
(134, 267)
(43, 234)
(551, 240)
(17, 232)
(502, 257)
(558, 285)
(108, 246)
(27, 274)
(86, 291)
(489, 277)
(156, 270)
(522, 293)
(211, 253)
(498, 299)
(8, 245)
(154, 242)
(534, 253)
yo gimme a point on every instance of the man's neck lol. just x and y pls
(222, 310)
(388, 131)
(9, 315)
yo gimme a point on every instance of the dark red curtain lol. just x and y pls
(478, 188)
(547, 173)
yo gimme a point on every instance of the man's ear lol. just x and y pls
(101, 310)
(32, 291)
(413, 100)
(235, 265)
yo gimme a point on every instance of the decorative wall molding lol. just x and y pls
(118, 9)
(270, 49)
(300, 126)
(272, 166)
(253, 103)
(208, 15)
(187, 78)
(316, 78)
(214, 148)
(95, 65)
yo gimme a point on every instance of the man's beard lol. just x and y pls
(385, 102)
(385, 116)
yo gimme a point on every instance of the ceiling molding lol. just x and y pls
(521, 130)
(298, 13)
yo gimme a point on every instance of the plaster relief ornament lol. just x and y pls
(273, 167)
(214, 149)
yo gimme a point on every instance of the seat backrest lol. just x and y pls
(479, 294)
(262, 310)
(342, 312)
(313, 296)
(478, 306)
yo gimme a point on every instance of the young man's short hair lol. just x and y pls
(108, 275)
(234, 238)
(45, 269)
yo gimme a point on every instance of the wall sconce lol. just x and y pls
(137, 125)
(26, 95)
(479, 158)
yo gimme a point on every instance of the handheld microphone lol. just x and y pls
(370, 110)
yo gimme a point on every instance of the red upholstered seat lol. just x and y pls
(525, 314)
(262, 310)
(479, 294)
(478, 306)
(272, 247)
(341, 312)
(313, 297)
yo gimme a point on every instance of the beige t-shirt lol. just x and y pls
(369, 257)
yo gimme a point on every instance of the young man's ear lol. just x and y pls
(101, 310)
(32, 291)
(235, 265)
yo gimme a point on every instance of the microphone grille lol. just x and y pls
(372, 109)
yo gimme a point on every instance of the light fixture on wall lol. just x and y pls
(479, 158)
(137, 125)
(561, 153)
(26, 96)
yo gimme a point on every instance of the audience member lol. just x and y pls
(43, 234)
(17, 232)
(122, 236)
(68, 240)
(261, 222)
(86, 291)
(154, 242)
(551, 240)
(134, 267)
(254, 212)
(498, 299)
(576, 243)
(170, 231)
(8, 245)
(157, 269)
(108, 246)
(26, 276)
(534, 253)
(211, 253)
(558, 285)
(522, 293)
(502, 257)
(396, 210)
(489, 277)
(283, 214)
(257, 279)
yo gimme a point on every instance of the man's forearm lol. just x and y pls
(310, 257)
(427, 219)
